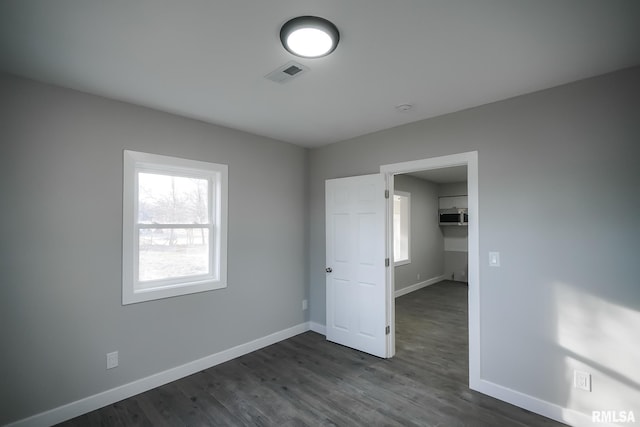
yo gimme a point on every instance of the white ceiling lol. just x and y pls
(443, 175)
(207, 59)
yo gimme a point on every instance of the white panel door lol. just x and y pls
(356, 276)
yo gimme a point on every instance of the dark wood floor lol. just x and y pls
(307, 381)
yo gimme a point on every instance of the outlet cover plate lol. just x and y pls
(582, 380)
(112, 360)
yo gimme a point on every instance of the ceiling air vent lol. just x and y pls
(287, 72)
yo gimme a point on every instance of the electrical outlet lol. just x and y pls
(305, 304)
(582, 380)
(418, 276)
(112, 360)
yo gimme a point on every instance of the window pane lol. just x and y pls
(396, 228)
(169, 253)
(168, 199)
(400, 228)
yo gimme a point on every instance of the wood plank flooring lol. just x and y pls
(307, 381)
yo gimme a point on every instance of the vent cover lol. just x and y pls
(287, 72)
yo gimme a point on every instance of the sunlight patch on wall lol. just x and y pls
(599, 337)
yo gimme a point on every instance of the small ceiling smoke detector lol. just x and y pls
(404, 107)
(309, 36)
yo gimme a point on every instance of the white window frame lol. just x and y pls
(134, 291)
(406, 260)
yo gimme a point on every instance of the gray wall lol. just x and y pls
(452, 189)
(60, 257)
(426, 238)
(553, 167)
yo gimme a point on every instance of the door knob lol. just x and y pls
(328, 269)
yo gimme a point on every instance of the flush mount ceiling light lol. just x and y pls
(309, 36)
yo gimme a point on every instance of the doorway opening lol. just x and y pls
(468, 160)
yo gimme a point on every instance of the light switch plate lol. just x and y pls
(494, 259)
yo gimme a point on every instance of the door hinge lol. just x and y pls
(386, 262)
(387, 330)
(386, 194)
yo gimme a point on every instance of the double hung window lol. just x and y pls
(174, 226)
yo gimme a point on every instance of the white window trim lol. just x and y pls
(132, 291)
(408, 259)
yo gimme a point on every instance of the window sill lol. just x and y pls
(142, 295)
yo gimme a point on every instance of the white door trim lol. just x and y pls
(470, 159)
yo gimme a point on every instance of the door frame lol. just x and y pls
(469, 159)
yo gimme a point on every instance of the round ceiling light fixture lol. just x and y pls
(309, 36)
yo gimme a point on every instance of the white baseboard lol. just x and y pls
(91, 403)
(317, 327)
(419, 285)
(108, 397)
(533, 404)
